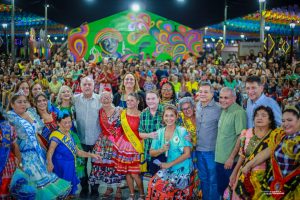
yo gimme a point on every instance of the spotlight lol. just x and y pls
(135, 7)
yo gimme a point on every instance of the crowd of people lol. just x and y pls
(204, 128)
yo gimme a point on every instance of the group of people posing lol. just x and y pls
(189, 147)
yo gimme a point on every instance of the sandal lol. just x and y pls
(131, 197)
(108, 193)
(142, 197)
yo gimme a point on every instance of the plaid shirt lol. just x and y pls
(287, 164)
(148, 124)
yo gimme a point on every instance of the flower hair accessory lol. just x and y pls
(107, 90)
(163, 81)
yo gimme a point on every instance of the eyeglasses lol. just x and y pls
(186, 109)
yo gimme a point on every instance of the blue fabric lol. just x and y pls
(223, 176)
(265, 101)
(64, 164)
(207, 174)
(34, 158)
(122, 104)
(5, 145)
(176, 149)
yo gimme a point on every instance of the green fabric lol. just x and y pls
(54, 88)
(148, 124)
(293, 77)
(177, 144)
(231, 85)
(76, 74)
(232, 121)
(79, 160)
(177, 86)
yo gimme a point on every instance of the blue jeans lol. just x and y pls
(223, 176)
(207, 174)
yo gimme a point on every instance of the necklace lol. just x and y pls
(253, 142)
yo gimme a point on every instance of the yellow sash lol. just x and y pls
(134, 140)
(67, 141)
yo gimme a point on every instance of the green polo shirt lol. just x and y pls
(232, 121)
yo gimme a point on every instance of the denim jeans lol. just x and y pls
(223, 176)
(207, 174)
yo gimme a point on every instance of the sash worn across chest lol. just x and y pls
(133, 139)
(67, 141)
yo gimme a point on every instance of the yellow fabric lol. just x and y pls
(192, 86)
(134, 140)
(255, 178)
(190, 127)
(67, 141)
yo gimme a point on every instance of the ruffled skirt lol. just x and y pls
(126, 158)
(104, 171)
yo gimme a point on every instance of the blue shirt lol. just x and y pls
(207, 118)
(265, 101)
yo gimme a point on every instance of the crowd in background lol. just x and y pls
(197, 129)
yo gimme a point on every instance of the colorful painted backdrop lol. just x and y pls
(128, 35)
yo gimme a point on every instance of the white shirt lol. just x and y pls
(87, 118)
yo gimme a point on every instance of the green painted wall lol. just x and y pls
(128, 34)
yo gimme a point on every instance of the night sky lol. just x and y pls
(192, 13)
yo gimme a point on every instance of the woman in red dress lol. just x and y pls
(128, 147)
(104, 171)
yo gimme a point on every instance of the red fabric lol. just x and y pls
(7, 174)
(126, 158)
(159, 189)
(108, 129)
(133, 122)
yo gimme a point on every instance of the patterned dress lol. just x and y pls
(175, 182)
(7, 158)
(191, 128)
(249, 186)
(283, 177)
(48, 185)
(127, 159)
(111, 131)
